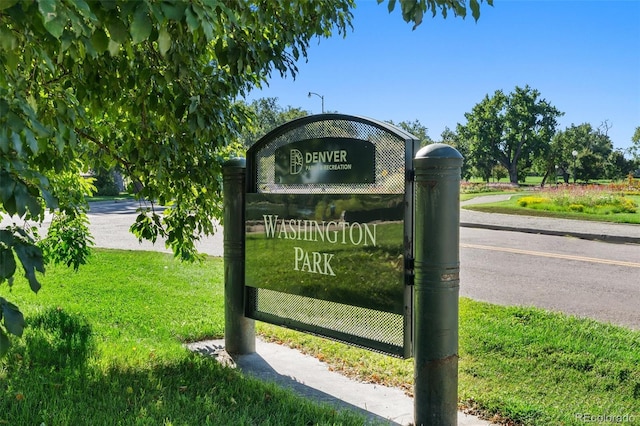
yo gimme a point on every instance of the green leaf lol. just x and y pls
(141, 26)
(47, 9)
(55, 26)
(7, 264)
(31, 141)
(6, 4)
(10, 206)
(6, 237)
(20, 198)
(164, 41)
(17, 142)
(173, 11)
(50, 200)
(12, 59)
(7, 186)
(100, 40)
(15, 122)
(475, 9)
(13, 318)
(39, 128)
(7, 40)
(84, 8)
(390, 6)
(192, 20)
(32, 260)
(118, 31)
(4, 142)
(114, 48)
(417, 17)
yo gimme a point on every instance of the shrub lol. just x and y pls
(530, 200)
(576, 207)
(593, 199)
(478, 188)
(105, 183)
(625, 205)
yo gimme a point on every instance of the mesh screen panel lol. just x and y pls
(381, 331)
(377, 330)
(389, 158)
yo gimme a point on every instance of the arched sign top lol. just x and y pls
(333, 153)
(300, 122)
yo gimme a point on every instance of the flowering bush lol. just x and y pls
(594, 199)
(629, 187)
(530, 200)
(477, 188)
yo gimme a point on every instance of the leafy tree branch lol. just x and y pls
(149, 85)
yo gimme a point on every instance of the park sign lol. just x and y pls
(325, 160)
(324, 251)
(371, 263)
(328, 230)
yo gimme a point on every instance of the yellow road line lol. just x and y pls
(553, 255)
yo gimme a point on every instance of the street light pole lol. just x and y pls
(318, 95)
(575, 155)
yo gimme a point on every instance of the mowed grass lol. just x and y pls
(104, 346)
(517, 366)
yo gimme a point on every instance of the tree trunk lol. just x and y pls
(513, 173)
(544, 179)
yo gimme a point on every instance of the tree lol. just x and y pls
(149, 86)
(593, 149)
(417, 129)
(266, 116)
(617, 166)
(452, 138)
(635, 139)
(510, 130)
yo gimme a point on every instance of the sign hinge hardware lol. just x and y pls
(409, 270)
(410, 175)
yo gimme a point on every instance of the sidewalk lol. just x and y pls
(311, 378)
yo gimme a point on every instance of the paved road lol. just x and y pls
(586, 278)
(491, 275)
(110, 222)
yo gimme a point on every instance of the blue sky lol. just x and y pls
(583, 57)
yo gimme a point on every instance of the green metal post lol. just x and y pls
(239, 331)
(437, 284)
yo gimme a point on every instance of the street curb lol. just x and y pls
(616, 239)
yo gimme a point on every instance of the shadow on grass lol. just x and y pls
(51, 377)
(56, 339)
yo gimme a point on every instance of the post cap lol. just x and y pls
(235, 162)
(438, 150)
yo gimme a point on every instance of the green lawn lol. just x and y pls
(104, 346)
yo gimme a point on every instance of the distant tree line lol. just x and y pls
(517, 133)
(505, 135)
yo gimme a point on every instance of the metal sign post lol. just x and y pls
(239, 331)
(437, 285)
